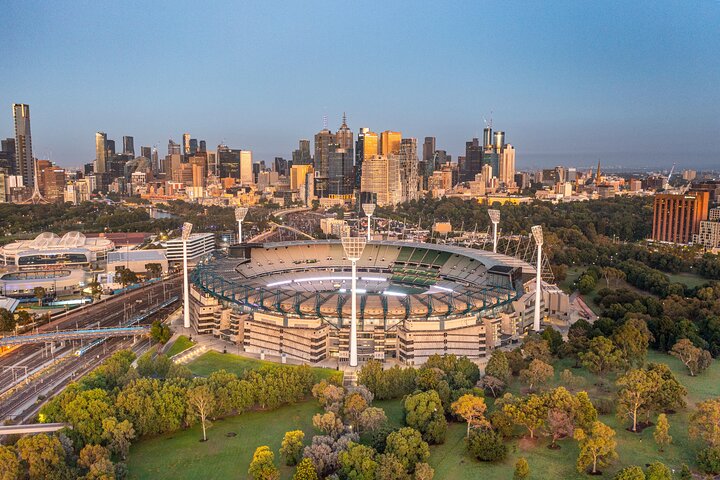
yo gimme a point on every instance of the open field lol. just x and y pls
(180, 345)
(688, 279)
(212, 361)
(180, 455)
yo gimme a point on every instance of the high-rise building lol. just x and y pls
(340, 175)
(186, 143)
(193, 146)
(473, 160)
(246, 167)
(323, 139)
(408, 165)
(203, 146)
(110, 149)
(506, 175)
(344, 136)
(101, 151)
(428, 149)
(677, 217)
(174, 148)
(381, 179)
(302, 156)
(390, 142)
(365, 146)
(146, 152)
(281, 166)
(487, 137)
(51, 181)
(24, 162)
(129, 146)
(7, 156)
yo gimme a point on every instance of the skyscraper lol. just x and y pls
(390, 142)
(174, 148)
(473, 160)
(340, 175)
(246, 167)
(129, 146)
(365, 146)
(186, 143)
(428, 149)
(101, 150)
(408, 165)
(146, 152)
(323, 140)
(344, 136)
(506, 175)
(381, 179)
(24, 165)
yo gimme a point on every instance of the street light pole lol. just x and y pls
(538, 235)
(369, 209)
(240, 213)
(186, 230)
(353, 247)
(495, 219)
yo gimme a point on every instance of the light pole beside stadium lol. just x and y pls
(538, 235)
(495, 219)
(240, 213)
(354, 247)
(186, 230)
(369, 209)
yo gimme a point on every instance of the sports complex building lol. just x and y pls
(414, 300)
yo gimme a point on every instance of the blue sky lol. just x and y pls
(632, 83)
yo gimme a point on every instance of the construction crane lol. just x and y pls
(666, 186)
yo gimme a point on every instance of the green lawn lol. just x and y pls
(688, 279)
(212, 361)
(181, 455)
(180, 345)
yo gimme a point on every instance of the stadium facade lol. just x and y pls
(414, 300)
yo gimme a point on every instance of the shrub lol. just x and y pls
(486, 445)
(709, 460)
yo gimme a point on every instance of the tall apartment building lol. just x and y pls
(246, 167)
(101, 151)
(390, 142)
(365, 146)
(408, 164)
(677, 217)
(24, 163)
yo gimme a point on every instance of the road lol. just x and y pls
(50, 369)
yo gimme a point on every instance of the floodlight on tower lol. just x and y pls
(495, 219)
(537, 234)
(353, 247)
(240, 213)
(369, 209)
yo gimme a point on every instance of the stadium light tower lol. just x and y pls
(353, 247)
(186, 230)
(495, 219)
(537, 233)
(369, 209)
(240, 213)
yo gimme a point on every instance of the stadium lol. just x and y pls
(414, 300)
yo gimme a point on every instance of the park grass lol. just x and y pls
(181, 344)
(213, 361)
(690, 280)
(181, 455)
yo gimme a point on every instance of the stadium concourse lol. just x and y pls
(414, 300)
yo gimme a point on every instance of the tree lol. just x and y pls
(328, 423)
(358, 462)
(554, 339)
(498, 366)
(153, 270)
(117, 436)
(305, 470)
(486, 445)
(390, 468)
(597, 447)
(516, 361)
(522, 469)
(493, 384)
(670, 394)
(125, 276)
(160, 332)
(328, 395)
(95, 460)
(424, 412)
(635, 394)
(529, 412)
(201, 401)
(371, 419)
(262, 466)
(658, 471)
(292, 446)
(353, 407)
(585, 413)
(633, 338)
(577, 340)
(408, 446)
(472, 410)
(704, 422)
(43, 454)
(685, 473)
(560, 424)
(95, 288)
(7, 320)
(536, 348)
(695, 359)
(569, 380)
(602, 356)
(423, 471)
(630, 473)
(538, 372)
(662, 432)
(39, 293)
(708, 460)
(10, 468)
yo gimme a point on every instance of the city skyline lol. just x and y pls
(566, 90)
